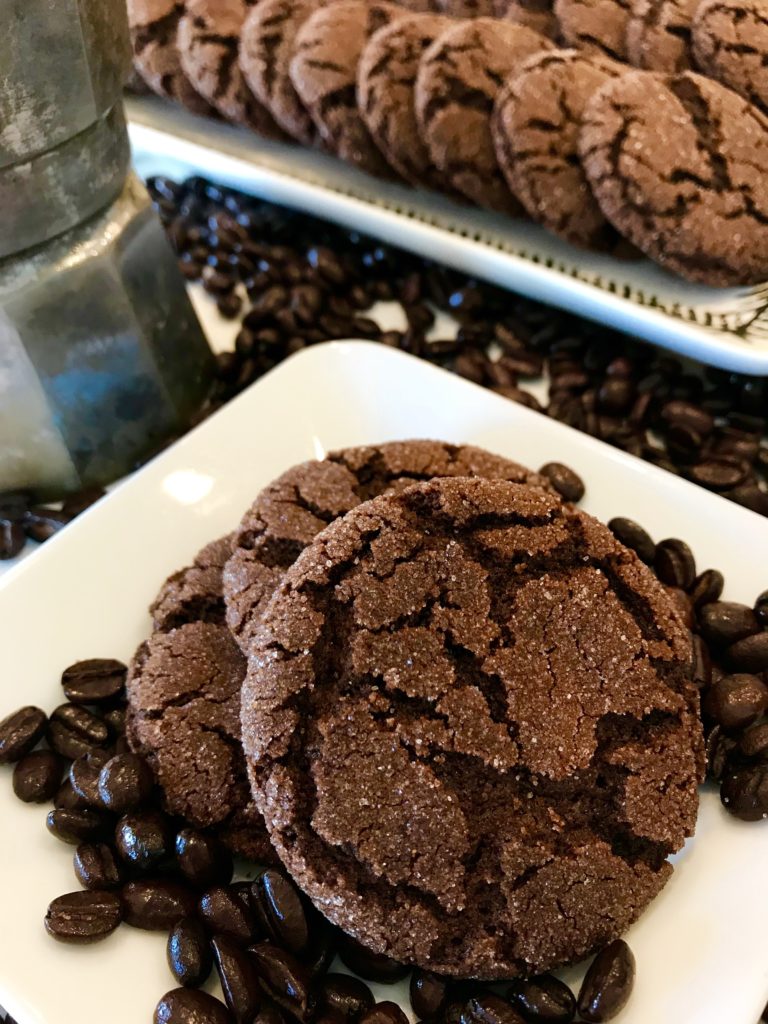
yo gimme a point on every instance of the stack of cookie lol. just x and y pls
(465, 708)
(477, 101)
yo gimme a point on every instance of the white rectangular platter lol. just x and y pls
(700, 948)
(724, 327)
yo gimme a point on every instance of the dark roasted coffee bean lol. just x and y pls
(285, 980)
(84, 775)
(385, 1012)
(156, 904)
(753, 742)
(701, 663)
(239, 984)
(97, 867)
(306, 303)
(749, 654)
(12, 538)
(568, 484)
(36, 777)
(73, 731)
(761, 608)
(280, 910)
(724, 622)
(348, 997)
(683, 443)
(321, 949)
(269, 1013)
(720, 748)
(686, 414)
(77, 826)
(83, 917)
(229, 305)
(203, 860)
(125, 783)
(632, 535)
(190, 1006)
(144, 839)
(719, 475)
(452, 1011)
(223, 912)
(737, 701)
(94, 681)
(543, 1000)
(75, 504)
(471, 365)
(20, 732)
(608, 983)
(428, 994)
(674, 563)
(40, 524)
(67, 799)
(522, 397)
(489, 1008)
(115, 719)
(749, 496)
(189, 953)
(706, 588)
(615, 395)
(369, 965)
(744, 792)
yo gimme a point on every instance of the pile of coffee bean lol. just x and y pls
(308, 281)
(22, 519)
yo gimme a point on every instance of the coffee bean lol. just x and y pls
(737, 701)
(285, 980)
(720, 749)
(719, 475)
(683, 604)
(543, 1000)
(753, 742)
(568, 484)
(686, 414)
(229, 305)
(744, 792)
(706, 588)
(238, 979)
(223, 912)
(761, 608)
(94, 681)
(190, 1006)
(701, 663)
(489, 1008)
(385, 1012)
(280, 911)
(608, 983)
(189, 954)
(84, 775)
(37, 775)
(144, 839)
(369, 965)
(67, 799)
(327, 265)
(125, 783)
(156, 904)
(74, 730)
(674, 563)
(471, 365)
(76, 826)
(83, 917)
(724, 622)
(749, 654)
(12, 539)
(115, 719)
(40, 524)
(348, 997)
(97, 867)
(203, 860)
(520, 396)
(428, 993)
(20, 732)
(268, 1013)
(633, 536)
(77, 503)
(684, 443)
(321, 950)
(615, 395)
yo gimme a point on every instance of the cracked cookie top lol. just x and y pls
(469, 725)
(290, 512)
(730, 43)
(677, 164)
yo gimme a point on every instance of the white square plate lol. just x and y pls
(700, 948)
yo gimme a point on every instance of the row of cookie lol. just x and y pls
(724, 39)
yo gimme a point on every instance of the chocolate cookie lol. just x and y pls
(458, 80)
(386, 77)
(659, 34)
(536, 125)
(184, 717)
(469, 725)
(267, 44)
(209, 37)
(597, 26)
(535, 14)
(730, 43)
(194, 594)
(292, 510)
(154, 26)
(677, 165)
(323, 71)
